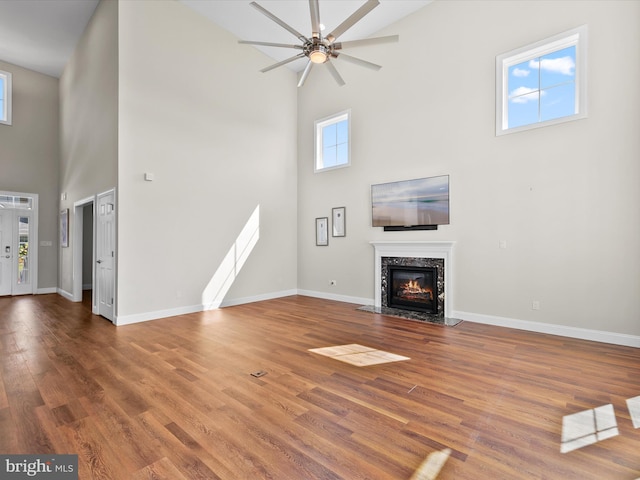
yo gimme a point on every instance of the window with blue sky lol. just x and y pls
(332, 142)
(542, 88)
(5, 98)
(542, 84)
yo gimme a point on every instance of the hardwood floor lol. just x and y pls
(174, 398)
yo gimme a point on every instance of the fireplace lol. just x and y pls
(415, 284)
(435, 256)
(413, 288)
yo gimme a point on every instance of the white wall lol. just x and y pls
(89, 120)
(220, 139)
(29, 155)
(565, 198)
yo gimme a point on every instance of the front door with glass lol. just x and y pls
(17, 255)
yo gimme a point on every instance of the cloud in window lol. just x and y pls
(562, 65)
(521, 95)
(521, 72)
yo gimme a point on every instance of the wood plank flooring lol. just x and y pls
(174, 398)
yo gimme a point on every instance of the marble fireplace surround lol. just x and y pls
(431, 249)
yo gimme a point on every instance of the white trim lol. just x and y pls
(256, 298)
(318, 127)
(65, 294)
(435, 249)
(552, 329)
(78, 229)
(156, 315)
(336, 297)
(172, 312)
(577, 37)
(7, 109)
(47, 290)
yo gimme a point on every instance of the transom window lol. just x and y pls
(5, 98)
(542, 84)
(332, 142)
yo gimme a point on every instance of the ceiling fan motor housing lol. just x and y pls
(317, 51)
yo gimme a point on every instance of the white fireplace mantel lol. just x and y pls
(434, 249)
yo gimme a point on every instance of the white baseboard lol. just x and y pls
(552, 329)
(336, 297)
(45, 291)
(156, 315)
(65, 294)
(258, 298)
(172, 312)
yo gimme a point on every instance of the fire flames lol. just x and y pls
(412, 289)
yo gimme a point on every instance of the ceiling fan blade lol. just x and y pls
(314, 8)
(287, 27)
(283, 62)
(269, 44)
(334, 73)
(353, 19)
(305, 73)
(366, 41)
(358, 61)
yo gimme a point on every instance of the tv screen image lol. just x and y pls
(423, 201)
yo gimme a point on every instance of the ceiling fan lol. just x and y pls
(321, 49)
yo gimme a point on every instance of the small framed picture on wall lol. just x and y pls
(64, 228)
(322, 231)
(339, 222)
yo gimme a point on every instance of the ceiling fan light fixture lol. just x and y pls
(318, 54)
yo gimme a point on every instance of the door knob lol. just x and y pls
(7, 256)
(98, 261)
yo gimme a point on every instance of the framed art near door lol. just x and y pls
(64, 228)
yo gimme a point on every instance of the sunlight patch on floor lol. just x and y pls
(358, 355)
(430, 468)
(588, 427)
(633, 404)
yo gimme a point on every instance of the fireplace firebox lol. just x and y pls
(413, 288)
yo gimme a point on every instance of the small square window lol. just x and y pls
(542, 84)
(332, 146)
(5, 98)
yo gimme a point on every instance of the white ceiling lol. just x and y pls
(41, 35)
(247, 23)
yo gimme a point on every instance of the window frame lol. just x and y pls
(319, 126)
(575, 37)
(5, 113)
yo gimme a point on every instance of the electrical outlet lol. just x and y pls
(535, 305)
(333, 283)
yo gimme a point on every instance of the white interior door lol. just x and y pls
(6, 251)
(105, 255)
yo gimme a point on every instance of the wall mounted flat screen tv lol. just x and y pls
(411, 204)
